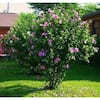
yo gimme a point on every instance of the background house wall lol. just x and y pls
(7, 20)
(4, 30)
(8, 14)
(94, 22)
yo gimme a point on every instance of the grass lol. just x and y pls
(82, 80)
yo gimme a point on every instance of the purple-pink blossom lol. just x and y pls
(45, 24)
(75, 12)
(32, 47)
(67, 66)
(41, 53)
(71, 20)
(30, 40)
(73, 50)
(57, 60)
(50, 11)
(77, 15)
(55, 16)
(44, 34)
(42, 67)
(83, 23)
(52, 25)
(33, 33)
(50, 41)
(76, 49)
(1, 35)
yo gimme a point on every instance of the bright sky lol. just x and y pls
(16, 7)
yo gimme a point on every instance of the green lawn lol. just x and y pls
(82, 80)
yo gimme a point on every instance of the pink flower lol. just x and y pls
(71, 20)
(41, 53)
(83, 23)
(1, 35)
(72, 50)
(50, 11)
(32, 47)
(42, 67)
(76, 50)
(67, 66)
(75, 12)
(38, 77)
(44, 34)
(52, 25)
(33, 33)
(55, 16)
(57, 60)
(46, 24)
(50, 41)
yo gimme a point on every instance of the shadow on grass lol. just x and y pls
(83, 71)
(77, 71)
(17, 91)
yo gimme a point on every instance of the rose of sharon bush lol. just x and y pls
(62, 41)
(59, 39)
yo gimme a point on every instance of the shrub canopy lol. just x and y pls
(50, 42)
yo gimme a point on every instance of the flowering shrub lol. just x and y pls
(51, 42)
(16, 42)
(59, 39)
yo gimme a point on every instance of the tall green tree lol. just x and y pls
(87, 8)
(45, 6)
(42, 6)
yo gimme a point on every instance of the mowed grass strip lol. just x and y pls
(82, 80)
